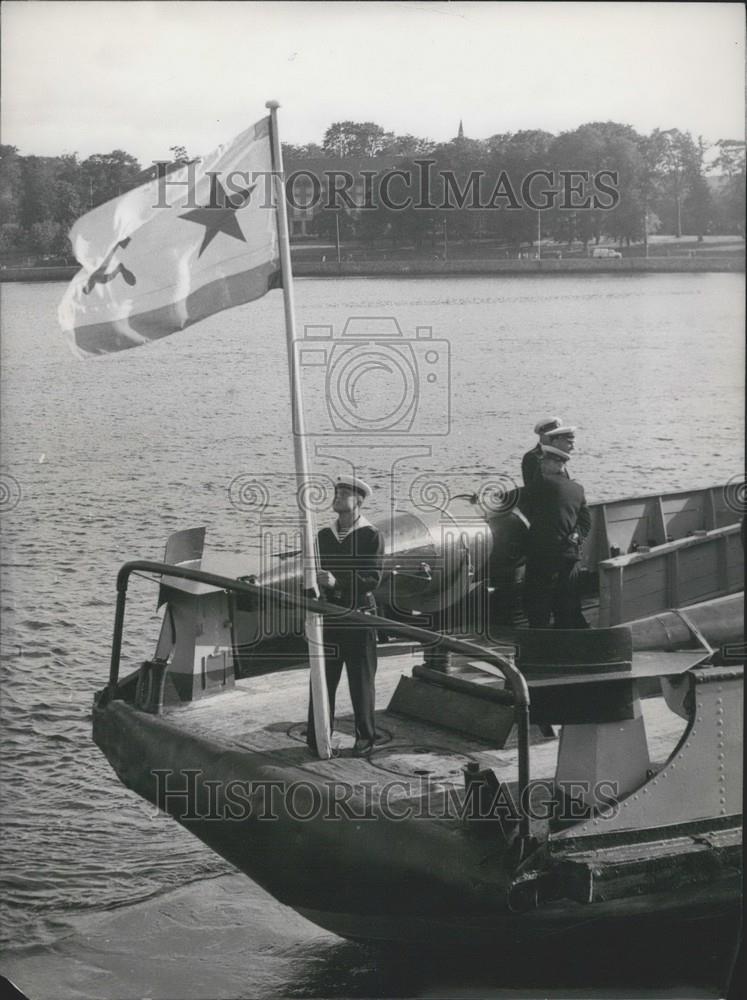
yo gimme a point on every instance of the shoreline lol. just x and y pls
(436, 268)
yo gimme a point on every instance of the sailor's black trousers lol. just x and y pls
(354, 648)
(551, 589)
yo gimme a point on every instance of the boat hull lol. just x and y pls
(417, 880)
(562, 925)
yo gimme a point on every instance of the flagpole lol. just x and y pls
(314, 635)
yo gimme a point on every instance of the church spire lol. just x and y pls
(460, 133)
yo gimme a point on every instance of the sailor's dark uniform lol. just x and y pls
(530, 464)
(557, 510)
(355, 561)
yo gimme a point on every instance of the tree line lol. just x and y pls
(666, 185)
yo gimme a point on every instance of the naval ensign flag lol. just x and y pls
(207, 237)
(170, 253)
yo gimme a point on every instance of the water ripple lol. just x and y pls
(137, 457)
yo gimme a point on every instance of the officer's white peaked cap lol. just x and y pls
(547, 449)
(543, 426)
(353, 483)
(561, 432)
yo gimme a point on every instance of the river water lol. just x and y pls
(102, 459)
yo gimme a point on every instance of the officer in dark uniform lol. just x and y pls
(531, 460)
(560, 521)
(350, 555)
(564, 438)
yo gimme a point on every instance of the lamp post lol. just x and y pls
(539, 235)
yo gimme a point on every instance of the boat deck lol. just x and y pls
(267, 714)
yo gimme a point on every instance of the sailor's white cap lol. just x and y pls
(356, 484)
(566, 431)
(547, 449)
(546, 424)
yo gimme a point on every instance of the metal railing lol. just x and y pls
(517, 695)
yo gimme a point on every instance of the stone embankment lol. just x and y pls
(434, 268)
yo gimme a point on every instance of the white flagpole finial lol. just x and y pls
(272, 105)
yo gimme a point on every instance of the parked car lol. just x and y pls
(605, 252)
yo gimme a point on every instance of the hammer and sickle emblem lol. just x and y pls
(102, 277)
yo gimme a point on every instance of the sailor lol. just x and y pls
(350, 555)
(531, 460)
(563, 437)
(560, 521)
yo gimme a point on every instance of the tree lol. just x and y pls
(585, 148)
(627, 219)
(371, 225)
(38, 196)
(678, 161)
(326, 224)
(649, 178)
(107, 175)
(593, 148)
(309, 151)
(355, 139)
(68, 206)
(730, 197)
(698, 207)
(408, 145)
(511, 157)
(517, 149)
(42, 196)
(730, 160)
(12, 238)
(457, 188)
(11, 184)
(47, 237)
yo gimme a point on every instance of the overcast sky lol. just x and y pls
(90, 77)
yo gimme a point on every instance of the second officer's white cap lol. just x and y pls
(567, 431)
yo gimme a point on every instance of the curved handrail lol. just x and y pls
(514, 677)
